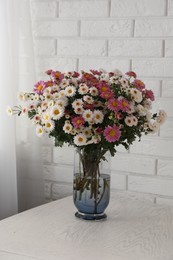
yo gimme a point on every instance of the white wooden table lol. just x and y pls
(134, 230)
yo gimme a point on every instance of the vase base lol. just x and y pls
(96, 217)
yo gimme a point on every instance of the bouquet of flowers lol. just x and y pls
(94, 110)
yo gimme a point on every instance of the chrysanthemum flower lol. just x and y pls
(70, 91)
(149, 94)
(21, 96)
(39, 130)
(123, 104)
(114, 104)
(64, 83)
(87, 132)
(83, 89)
(88, 115)
(46, 116)
(112, 133)
(88, 99)
(131, 74)
(98, 116)
(9, 111)
(78, 121)
(93, 91)
(67, 128)
(39, 87)
(131, 121)
(77, 103)
(57, 112)
(36, 119)
(107, 95)
(49, 125)
(136, 95)
(79, 110)
(138, 84)
(80, 139)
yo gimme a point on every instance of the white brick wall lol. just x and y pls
(128, 35)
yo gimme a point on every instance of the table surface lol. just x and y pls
(134, 230)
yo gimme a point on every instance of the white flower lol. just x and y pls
(141, 110)
(70, 91)
(44, 105)
(56, 95)
(64, 83)
(21, 96)
(93, 91)
(78, 110)
(27, 96)
(80, 139)
(46, 116)
(9, 111)
(98, 117)
(131, 108)
(62, 93)
(48, 96)
(162, 113)
(62, 102)
(87, 132)
(154, 126)
(136, 95)
(131, 121)
(88, 99)
(83, 89)
(123, 82)
(51, 103)
(49, 125)
(117, 72)
(39, 130)
(77, 103)
(147, 104)
(161, 117)
(67, 128)
(47, 91)
(57, 112)
(36, 119)
(88, 115)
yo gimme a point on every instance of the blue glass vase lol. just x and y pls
(91, 183)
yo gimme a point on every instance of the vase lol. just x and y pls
(91, 183)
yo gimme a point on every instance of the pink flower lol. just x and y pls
(107, 95)
(112, 133)
(114, 104)
(103, 87)
(138, 84)
(131, 74)
(57, 75)
(78, 121)
(39, 87)
(49, 72)
(95, 72)
(149, 94)
(123, 104)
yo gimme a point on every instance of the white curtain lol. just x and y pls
(21, 181)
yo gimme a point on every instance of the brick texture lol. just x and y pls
(128, 35)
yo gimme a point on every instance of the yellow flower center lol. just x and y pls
(112, 133)
(40, 87)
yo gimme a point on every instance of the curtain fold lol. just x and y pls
(9, 83)
(21, 180)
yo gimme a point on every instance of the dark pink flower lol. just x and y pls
(131, 74)
(39, 87)
(149, 94)
(123, 104)
(78, 121)
(114, 104)
(112, 133)
(138, 84)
